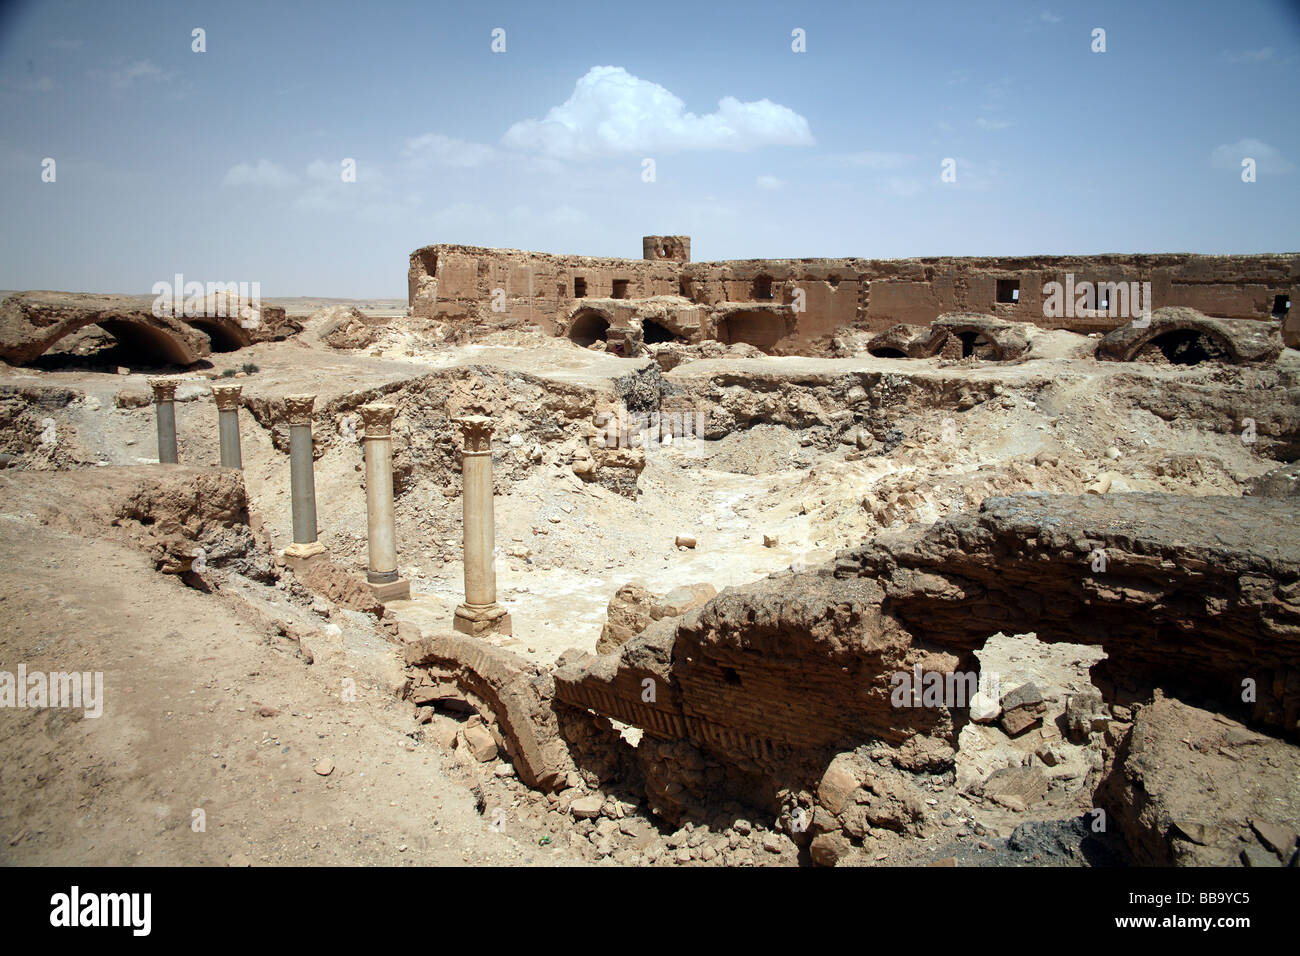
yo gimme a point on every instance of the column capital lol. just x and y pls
(227, 396)
(164, 389)
(378, 417)
(297, 408)
(477, 431)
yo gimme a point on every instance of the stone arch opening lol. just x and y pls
(1186, 347)
(884, 352)
(652, 333)
(226, 335)
(978, 345)
(588, 328)
(147, 342)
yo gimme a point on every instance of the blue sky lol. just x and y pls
(226, 165)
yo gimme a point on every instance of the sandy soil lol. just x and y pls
(188, 674)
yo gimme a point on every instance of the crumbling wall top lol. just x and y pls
(666, 248)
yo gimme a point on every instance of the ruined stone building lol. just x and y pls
(794, 306)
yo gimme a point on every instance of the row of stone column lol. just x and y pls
(480, 611)
(227, 396)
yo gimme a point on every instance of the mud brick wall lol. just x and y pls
(795, 305)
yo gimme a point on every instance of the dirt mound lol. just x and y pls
(759, 451)
(344, 327)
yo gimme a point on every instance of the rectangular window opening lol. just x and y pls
(1008, 290)
(579, 288)
(620, 288)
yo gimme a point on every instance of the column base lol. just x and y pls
(476, 619)
(300, 556)
(398, 590)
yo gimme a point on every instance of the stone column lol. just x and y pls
(302, 480)
(227, 397)
(480, 613)
(382, 575)
(164, 400)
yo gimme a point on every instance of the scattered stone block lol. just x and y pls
(587, 808)
(1016, 788)
(1280, 839)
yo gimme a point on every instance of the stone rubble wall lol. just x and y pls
(512, 696)
(759, 692)
(755, 300)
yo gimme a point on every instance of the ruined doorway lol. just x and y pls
(588, 328)
(220, 334)
(977, 345)
(652, 333)
(759, 329)
(1186, 347)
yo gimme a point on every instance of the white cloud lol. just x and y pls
(971, 176)
(320, 170)
(42, 85)
(331, 171)
(611, 111)
(462, 218)
(1250, 56)
(434, 149)
(368, 197)
(1050, 17)
(989, 124)
(768, 182)
(122, 77)
(566, 215)
(263, 173)
(63, 44)
(1267, 159)
(996, 94)
(902, 188)
(872, 159)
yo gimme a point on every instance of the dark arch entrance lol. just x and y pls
(652, 333)
(973, 343)
(151, 344)
(588, 328)
(1189, 347)
(220, 334)
(887, 353)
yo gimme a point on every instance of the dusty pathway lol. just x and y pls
(185, 680)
